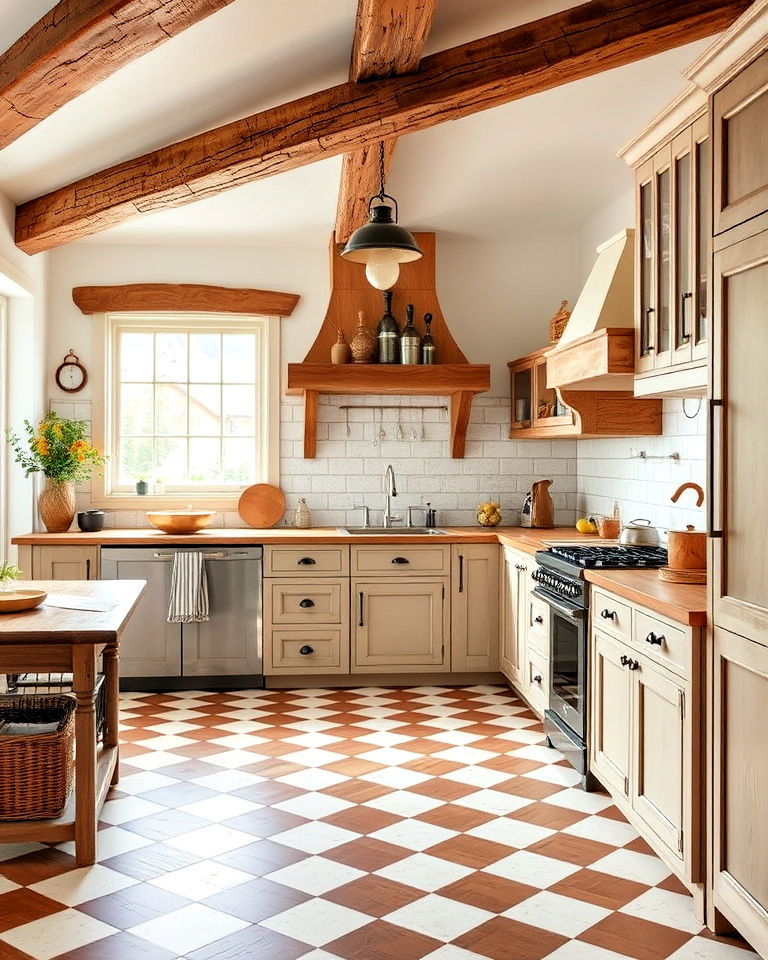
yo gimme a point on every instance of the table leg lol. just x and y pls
(84, 687)
(111, 660)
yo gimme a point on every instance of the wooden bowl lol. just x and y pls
(183, 521)
(21, 600)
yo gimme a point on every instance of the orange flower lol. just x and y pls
(42, 446)
(80, 450)
(57, 430)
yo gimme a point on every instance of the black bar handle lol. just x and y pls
(608, 614)
(653, 638)
(306, 602)
(400, 560)
(713, 481)
(88, 569)
(684, 335)
(307, 562)
(306, 650)
(361, 609)
(461, 573)
(649, 347)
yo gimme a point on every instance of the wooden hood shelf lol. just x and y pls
(452, 376)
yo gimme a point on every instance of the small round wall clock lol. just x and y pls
(71, 375)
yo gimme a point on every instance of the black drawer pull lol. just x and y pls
(306, 650)
(624, 660)
(306, 602)
(307, 562)
(633, 664)
(537, 678)
(538, 619)
(362, 624)
(400, 560)
(608, 614)
(653, 638)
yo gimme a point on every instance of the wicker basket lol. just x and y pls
(559, 322)
(36, 771)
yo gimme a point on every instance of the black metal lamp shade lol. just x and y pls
(381, 235)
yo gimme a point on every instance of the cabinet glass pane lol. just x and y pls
(547, 402)
(664, 247)
(746, 479)
(683, 291)
(521, 397)
(646, 266)
(702, 232)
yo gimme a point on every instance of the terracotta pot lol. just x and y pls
(687, 549)
(57, 505)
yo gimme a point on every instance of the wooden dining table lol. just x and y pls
(51, 639)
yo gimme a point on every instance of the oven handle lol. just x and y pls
(574, 613)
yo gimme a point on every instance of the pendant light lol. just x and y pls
(382, 244)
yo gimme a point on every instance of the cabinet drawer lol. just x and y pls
(306, 561)
(611, 615)
(538, 625)
(662, 642)
(537, 682)
(296, 650)
(297, 601)
(401, 560)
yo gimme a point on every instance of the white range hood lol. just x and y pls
(596, 350)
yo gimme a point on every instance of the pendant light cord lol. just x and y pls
(382, 194)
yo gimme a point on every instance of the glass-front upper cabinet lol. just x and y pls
(672, 260)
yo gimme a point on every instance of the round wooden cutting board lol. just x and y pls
(261, 505)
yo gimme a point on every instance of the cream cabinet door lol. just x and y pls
(65, 563)
(658, 751)
(399, 626)
(512, 646)
(475, 607)
(740, 785)
(611, 712)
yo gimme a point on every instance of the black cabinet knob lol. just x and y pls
(537, 678)
(608, 614)
(538, 619)
(633, 664)
(400, 560)
(307, 562)
(624, 660)
(306, 602)
(306, 650)
(654, 639)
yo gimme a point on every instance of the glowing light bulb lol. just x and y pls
(382, 274)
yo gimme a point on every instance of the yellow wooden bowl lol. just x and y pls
(182, 521)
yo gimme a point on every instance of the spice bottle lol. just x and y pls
(428, 351)
(409, 339)
(388, 332)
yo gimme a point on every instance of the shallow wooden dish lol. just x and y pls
(21, 600)
(181, 521)
(672, 575)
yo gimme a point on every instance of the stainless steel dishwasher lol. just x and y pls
(222, 652)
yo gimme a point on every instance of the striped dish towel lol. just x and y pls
(188, 602)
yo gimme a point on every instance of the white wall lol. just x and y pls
(23, 281)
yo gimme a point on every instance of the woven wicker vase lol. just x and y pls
(57, 505)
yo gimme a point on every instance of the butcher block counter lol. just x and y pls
(685, 603)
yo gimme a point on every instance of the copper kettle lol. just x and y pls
(688, 548)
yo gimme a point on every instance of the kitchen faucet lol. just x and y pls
(391, 491)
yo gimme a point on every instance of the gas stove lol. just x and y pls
(571, 559)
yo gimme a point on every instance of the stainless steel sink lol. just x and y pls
(395, 531)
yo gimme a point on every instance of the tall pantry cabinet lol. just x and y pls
(735, 74)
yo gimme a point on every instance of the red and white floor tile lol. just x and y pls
(371, 824)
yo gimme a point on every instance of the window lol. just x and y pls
(189, 402)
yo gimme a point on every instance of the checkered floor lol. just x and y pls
(368, 824)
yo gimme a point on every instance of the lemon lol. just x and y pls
(585, 526)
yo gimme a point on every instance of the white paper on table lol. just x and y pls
(71, 602)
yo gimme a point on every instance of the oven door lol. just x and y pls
(568, 662)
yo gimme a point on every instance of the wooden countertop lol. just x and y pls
(52, 625)
(685, 603)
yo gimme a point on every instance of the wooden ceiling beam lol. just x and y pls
(389, 40)
(571, 45)
(76, 45)
(191, 297)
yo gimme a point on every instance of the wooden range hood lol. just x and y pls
(597, 348)
(451, 376)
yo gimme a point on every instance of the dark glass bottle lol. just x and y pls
(428, 351)
(388, 332)
(409, 339)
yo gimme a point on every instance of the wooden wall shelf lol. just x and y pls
(459, 381)
(452, 377)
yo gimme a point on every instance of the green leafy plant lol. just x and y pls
(9, 571)
(57, 448)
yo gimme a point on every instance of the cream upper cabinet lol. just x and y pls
(671, 160)
(513, 603)
(611, 713)
(474, 607)
(400, 626)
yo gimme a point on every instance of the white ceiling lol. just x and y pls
(527, 168)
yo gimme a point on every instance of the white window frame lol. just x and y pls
(105, 378)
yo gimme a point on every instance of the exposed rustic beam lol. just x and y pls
(192, 297)
(576, 43)
(389, 39)
(76, 45)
